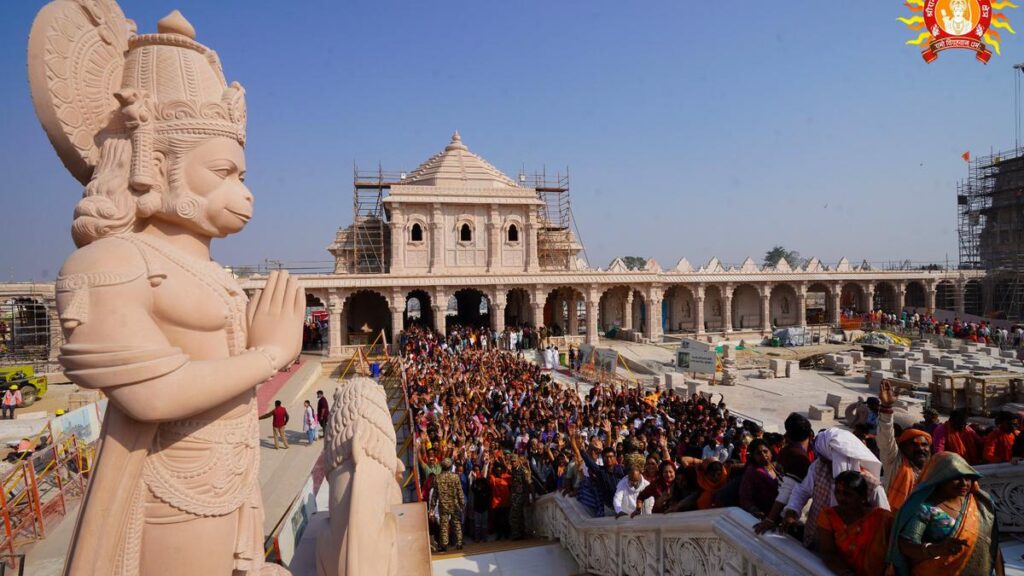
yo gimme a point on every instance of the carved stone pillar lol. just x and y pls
(958, 298)
(398, 240)
(498, 317)
(837, 304)
(440, 318)
(930, 299)
(627, 311)
(593, 299)
(869, 297)
(801, 306)
(653, 328)
(538, 314)
(766, 309)
(573, 322)
(698, 312)
(437, 240)
(397, 305)
(335, 307)
(727, 308)
(901, 299)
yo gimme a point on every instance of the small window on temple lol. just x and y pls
(465, 234)
(513, 233)
(417, 233)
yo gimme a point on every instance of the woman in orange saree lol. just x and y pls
(947, 526)
(712, 476)
(853, 535)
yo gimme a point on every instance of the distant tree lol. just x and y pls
(634, 262)
(772, 257)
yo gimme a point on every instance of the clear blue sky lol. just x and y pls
(690, 129)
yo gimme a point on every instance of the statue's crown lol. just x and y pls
(183, 82)
(93, 78)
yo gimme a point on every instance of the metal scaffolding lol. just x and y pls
(990, 208)
(25, 331)
(558, 239)
(367, 242)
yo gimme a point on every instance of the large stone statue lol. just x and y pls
(148, 124)
(362, 472)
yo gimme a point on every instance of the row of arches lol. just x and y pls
(564, 310)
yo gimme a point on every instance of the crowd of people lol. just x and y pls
(494, 432)
(913, 322)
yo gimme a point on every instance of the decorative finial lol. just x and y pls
(175, 23)
(456, 143)
(456, 137)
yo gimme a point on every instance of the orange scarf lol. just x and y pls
(706, 500)
(863, 543)
(962, 443)
(952, 565)
(901, 485)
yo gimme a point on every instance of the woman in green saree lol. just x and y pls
(947, 526)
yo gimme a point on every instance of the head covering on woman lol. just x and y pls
(976, 524)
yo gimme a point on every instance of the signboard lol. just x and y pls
(701, 361)
(691, 345)
(607, 360)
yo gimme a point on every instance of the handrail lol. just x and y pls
(713, 542)
(398, 363)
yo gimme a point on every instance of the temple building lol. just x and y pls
(458, 241)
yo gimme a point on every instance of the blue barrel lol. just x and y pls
(375, 370)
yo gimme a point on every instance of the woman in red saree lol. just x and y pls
(853, 535)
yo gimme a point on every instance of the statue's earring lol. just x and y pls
(187, 207)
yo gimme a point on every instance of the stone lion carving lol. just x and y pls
(362, 471)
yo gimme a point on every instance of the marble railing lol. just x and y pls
(1005, 483)
(705, 543)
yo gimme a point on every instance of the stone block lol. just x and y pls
(878, 363)
(820, 412)
(1008, 354)
(694, 386)
(857, 355)
(951, 363)
(875, 381)
(792, 368)
(900, 365)
(914, 356)
(920, 373)
(778, 367)
(829, 361)
(836, 402)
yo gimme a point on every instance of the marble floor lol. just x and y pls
(546, 560)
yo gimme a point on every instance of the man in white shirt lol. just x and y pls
(624, 500)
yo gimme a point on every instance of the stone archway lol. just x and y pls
(782, 306)
(945, 296)
(916, 296)
(818, 304)
(366, 313)
(419, 310)
(746, 308)
(472, 308)
(517, 308)
(565, 311)
(852, 297)
(315, 328)
(680, 309)
(885, 298)
(714, 309)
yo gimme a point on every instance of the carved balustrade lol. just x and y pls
(1005, 483)
(704, 543)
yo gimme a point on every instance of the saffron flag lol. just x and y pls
(966, 156)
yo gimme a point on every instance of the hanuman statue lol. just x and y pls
(148, 124)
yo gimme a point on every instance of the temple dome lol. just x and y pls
(456, 166)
